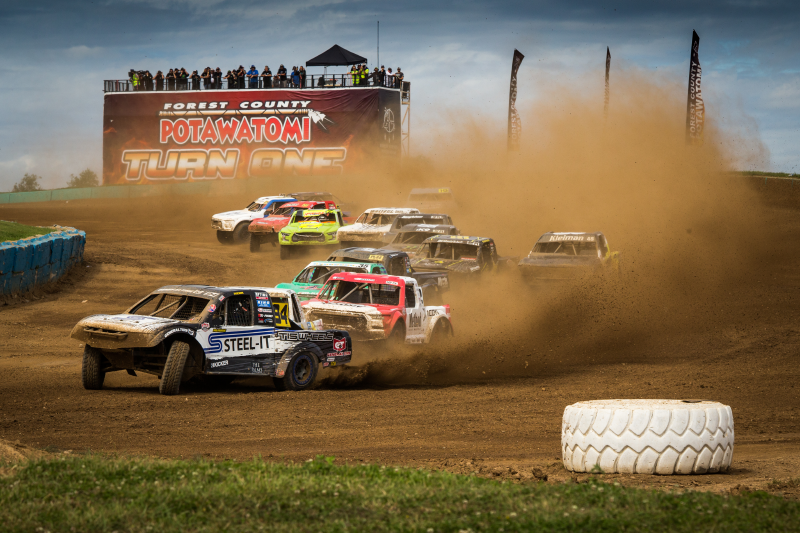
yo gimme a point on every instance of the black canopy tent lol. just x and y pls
(336, 56)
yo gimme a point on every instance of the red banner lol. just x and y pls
(151, 137)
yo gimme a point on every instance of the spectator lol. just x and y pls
(134, 76)
(390, 78)
(195, 77)
(383, 76)
(171, 80)
(353, 76)
(218, 78)
(206, 77)
(184, 79)
(159, 81)
(267, 75)
(148, 80)
(252, 77)
(302, 77)
(375, 77)
(231, 78)
(295, 77)
(399, 78)
(240, 75)
(364, 74)
(282, 76)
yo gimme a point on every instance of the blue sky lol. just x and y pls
(57, 53)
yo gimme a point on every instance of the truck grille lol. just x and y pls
(337, 321)
(216, 224)
(308, 237)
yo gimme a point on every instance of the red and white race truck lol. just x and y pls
(266, 230)
(377, 307)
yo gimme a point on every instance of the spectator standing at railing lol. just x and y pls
(206, 77)
(389, 82)
(170, 80)
(353, 75)
(241, 73)
(195, 77)
(382, 76)
(252, 77)
(159, 81)
(218, 78)
(148, 81)
(266, 74)
(183, 78)
(295, 77)
(398, 77)
(134, 77)
(302, 77)
(282, 75)
(231, 79)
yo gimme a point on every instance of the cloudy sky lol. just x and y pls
(56, 55)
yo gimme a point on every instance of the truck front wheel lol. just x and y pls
(92, 372)
(173, 370)
(241, 233)
(300, 374)
(224, 237)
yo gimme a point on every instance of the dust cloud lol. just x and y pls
(685, 227)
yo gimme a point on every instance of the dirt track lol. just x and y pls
(496, 399)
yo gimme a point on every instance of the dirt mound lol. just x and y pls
(14, 452)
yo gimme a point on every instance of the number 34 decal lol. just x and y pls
(281, 314)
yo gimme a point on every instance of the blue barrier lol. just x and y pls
(31, 263)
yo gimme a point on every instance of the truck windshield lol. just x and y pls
(320, 274)
(412, 237)
(174, 306)
(255, 206)
(361, 293)
(376, 219)
(283, 211)
(566, 248)
(446, 250)
(301, 216)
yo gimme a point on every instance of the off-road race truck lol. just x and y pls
(370, 227)
(374, 307)
(418, 218)
(265, 230)
(181, 332)
(397, 263)
(311, 279)
(232, 226)
(459, 254)
(432, 200)
(308, 228)
(321, 196)
(563, 256)
(409, 238)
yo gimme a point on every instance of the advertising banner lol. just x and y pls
(514, 122)
(162, 137)
(695, 109)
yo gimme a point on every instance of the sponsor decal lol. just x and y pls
(281, 311)
(376, 258)
(415, 320)
(331, 358)
(333, 363)
(191, 292)
(262, 295)
(325, 363)
(444, 189)
(339, 344)
(212, 308)
(388, 282)
(257, 369)
(221, 298)
(433, 312)
(240, 292)
(205, 326)
(257, 340)
(180, 330)
(305, 335)
(219, 330)
(217, 364)
(333, 355)
(368, 280)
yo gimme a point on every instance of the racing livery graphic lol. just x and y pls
(153, 137)
(183, 332)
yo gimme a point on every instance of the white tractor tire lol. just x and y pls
(647, 437)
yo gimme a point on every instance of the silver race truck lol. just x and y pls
(371, 226)
(181, 332)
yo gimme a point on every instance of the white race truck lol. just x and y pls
(232, 226)
(377, 307)
(369, 229)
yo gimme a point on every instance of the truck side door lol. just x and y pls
(415, 314)
(244, 334)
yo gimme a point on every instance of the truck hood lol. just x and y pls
(345, 308)
(306, 226)
(465, 266)
(235, 215)
(365, 229)
(559, 260)
(270, 221)
(127, 331)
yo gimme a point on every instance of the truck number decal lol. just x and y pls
(281, 311)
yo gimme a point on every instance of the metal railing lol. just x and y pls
(308, 82)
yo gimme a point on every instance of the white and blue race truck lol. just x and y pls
(183, 332)
(232, 226)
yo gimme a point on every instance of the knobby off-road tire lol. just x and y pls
(241, 234)
(224, 237)
(173, 370)
(441, 333)
(255, 243)
(647, 437)
(300, 374)
(92, 369)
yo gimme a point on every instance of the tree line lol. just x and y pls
(30, 182)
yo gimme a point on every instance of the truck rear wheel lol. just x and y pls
(255, 242)
(173, 370)
(441, 333)
(241, 234)
(92, 372)
(300, 374)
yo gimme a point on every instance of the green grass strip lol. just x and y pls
(11, 231)
(91, 493)
(768, 174)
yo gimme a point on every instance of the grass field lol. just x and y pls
(769, 174)
(93, 493)
(11, 231)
